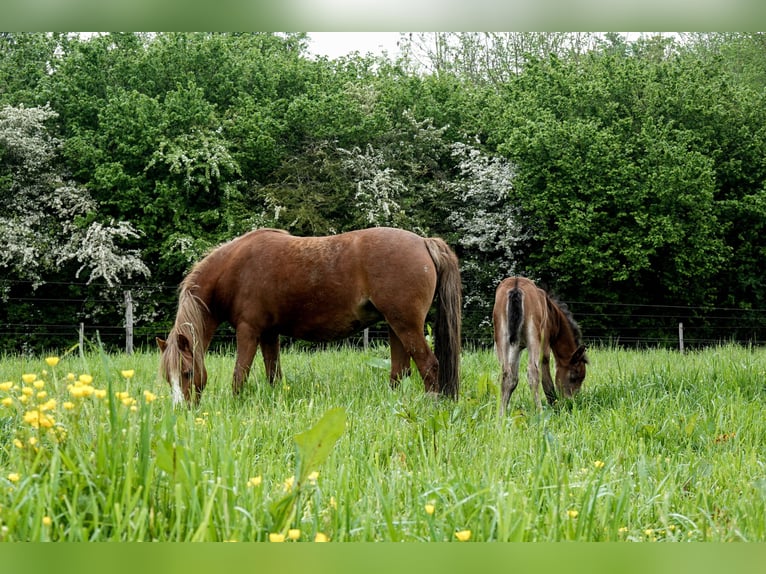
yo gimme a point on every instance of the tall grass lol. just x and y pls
(658, 446)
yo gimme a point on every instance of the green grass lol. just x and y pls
(658, 446)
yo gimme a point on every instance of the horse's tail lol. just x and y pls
(449, 292)
(515, 314)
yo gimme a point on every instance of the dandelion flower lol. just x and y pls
(430, 508)
(14, 477)
(321, 537)
(68, 405)
(47, 521)
(149, 396)
(27, 391)
(42, 394)
(28, 378)
(24, 399)
(7, 401)
(294, 534)
(572, 513)
(598, 463)
(85, 379)
(32, 440)
(463, 535)
(38, 384)
(128, 373)
(255, 481)
(70, 377)
(6, 386)
(276, 537)
(51, 361)
(99, 393)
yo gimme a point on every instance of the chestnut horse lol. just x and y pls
(525, 316)
(268, 283)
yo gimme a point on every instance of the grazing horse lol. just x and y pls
(525, 316)
(268, 283)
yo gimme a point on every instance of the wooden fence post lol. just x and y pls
(82, 337)
(128, 323)
(681, 337)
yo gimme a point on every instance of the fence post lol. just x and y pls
(681, 337)
(128, 323)
(366, 339)
(82, 336)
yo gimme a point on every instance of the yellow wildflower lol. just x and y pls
(47, 405)
(17, 443)
(255, 481)
(24, 399)
(38, 384)
(42, 394)
(289, 483)
(598, 464)
(85, 379)
(128, 374)
(321, 537)
(7, 401)
(70, 377)
(430, 508)
(572, 513)
(27, 391)
(463, 535)
(313, 476)
(6, 386)
(149, 396)
(47, 521)
(32, 440)
(51, 361)
(294, 534)
(14, 477)
(333, 502)
(99, 393)
(276, 537)
(76, 391)
(68, 405)
(87, 390)
(28, 378)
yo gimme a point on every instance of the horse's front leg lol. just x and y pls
(247, 345)
(548, 388)
(270, 350)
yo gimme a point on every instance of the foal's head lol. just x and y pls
(570, 374)
(182, 367)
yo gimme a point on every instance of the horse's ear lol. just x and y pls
(579, 356)
(184, 345)
(162, 344)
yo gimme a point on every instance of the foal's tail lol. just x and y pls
(448, 315)
(515, 314)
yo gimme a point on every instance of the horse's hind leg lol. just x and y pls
(400, 359)
(414, 345)
(510, 376)
(270, 350)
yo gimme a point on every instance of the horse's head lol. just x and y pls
(182, 367)
(570, 375)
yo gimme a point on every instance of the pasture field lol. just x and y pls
(658, 447)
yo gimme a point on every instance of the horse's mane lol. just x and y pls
(564, 308)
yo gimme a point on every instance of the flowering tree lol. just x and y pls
(46, 221)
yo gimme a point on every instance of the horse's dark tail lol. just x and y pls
(449, 293)
(515, 314)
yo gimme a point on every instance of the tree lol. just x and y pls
(47, 220)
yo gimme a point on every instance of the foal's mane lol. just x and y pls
(564, 309)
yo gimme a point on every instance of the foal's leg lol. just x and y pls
(548, 388)
(247, 345)
(270, 350)
(510, 375)
(400, 359)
